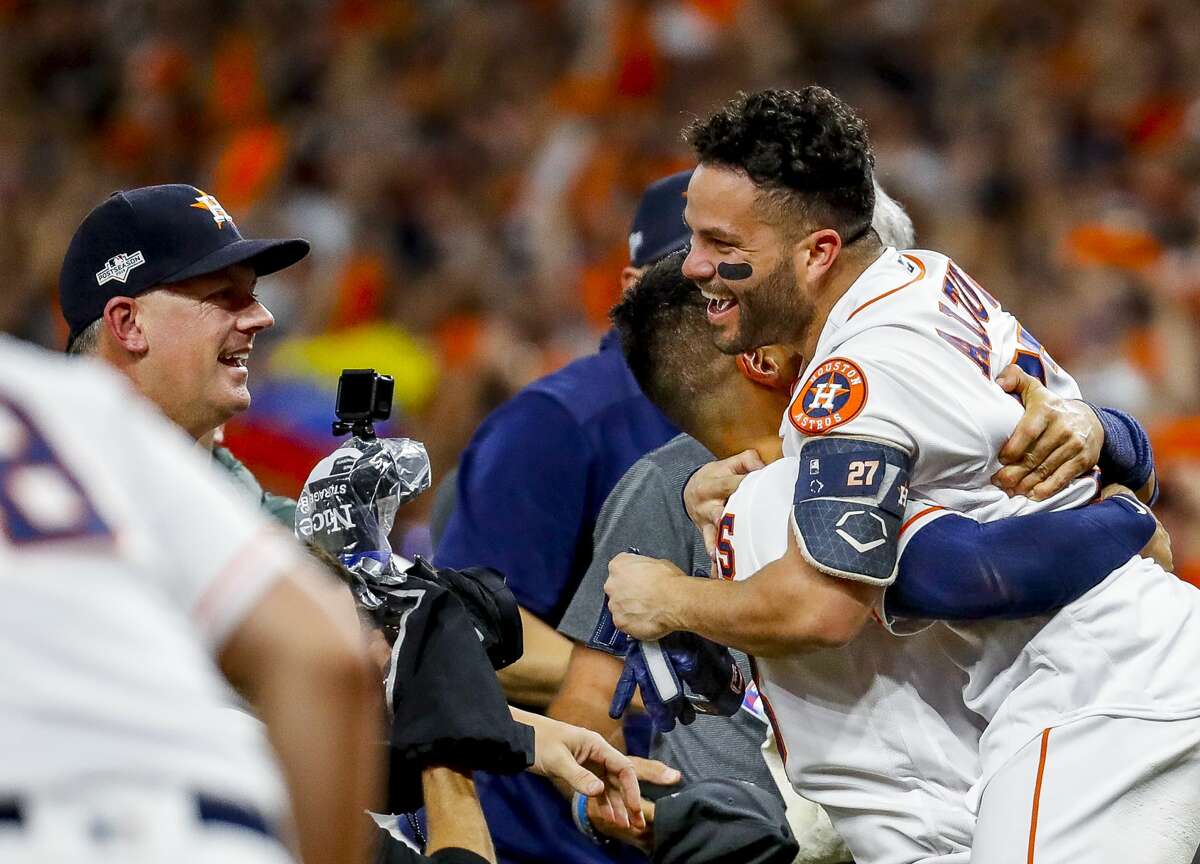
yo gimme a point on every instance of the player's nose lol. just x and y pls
(697, 266)
(255, 317)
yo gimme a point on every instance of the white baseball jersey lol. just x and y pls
(126, 564)
(908, 356)
(875, 732)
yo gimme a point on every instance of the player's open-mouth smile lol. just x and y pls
(235, 359)
(719, 306)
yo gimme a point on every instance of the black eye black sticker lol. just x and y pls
(735, 272)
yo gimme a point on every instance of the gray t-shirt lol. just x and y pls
(645, 510)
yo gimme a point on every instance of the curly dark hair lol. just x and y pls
(806, 148)
(664, 335)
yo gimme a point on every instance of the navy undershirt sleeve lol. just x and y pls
(959, 569)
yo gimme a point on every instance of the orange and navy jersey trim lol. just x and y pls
(909, 522)
(917, 278)
(768, 710)
(1037, 796)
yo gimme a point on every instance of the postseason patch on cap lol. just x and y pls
(118, 267)
(834, 394)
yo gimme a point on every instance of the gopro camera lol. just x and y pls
(363, 396)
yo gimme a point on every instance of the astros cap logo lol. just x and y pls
(833, 394)
(204, 201)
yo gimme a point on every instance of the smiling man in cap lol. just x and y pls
(159, 283)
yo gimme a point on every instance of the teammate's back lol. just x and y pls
(132, 579)
(100, 578)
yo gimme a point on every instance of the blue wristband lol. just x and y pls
(1126, 456)
(580, 818)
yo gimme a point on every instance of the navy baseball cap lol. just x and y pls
(722, 820)
(156, 235)
(658, 228)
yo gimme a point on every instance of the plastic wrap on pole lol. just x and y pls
(349, 503)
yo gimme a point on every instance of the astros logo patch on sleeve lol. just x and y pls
(833, 394)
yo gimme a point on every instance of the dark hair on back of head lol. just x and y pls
(802, 147)
(664, 334)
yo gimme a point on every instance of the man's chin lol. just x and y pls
(234, 402)
(729, 340)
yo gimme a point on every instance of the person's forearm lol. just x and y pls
(454, 819)
(536, 677)
(584, 698)
(324, 722)
(958, 569)
(590, 711)
(784, 608)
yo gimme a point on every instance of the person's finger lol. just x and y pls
(1049, 466)
(1111, 489)
(1028, 430)
(1050, 451)
(620, 814)
(1010, 379)
(604, 808)
(580, 779)
(637, 821)
(1159, 549)
(622, 693)
(1009, 477)
(615, 764)
(653, 771)
(631, 794)
(709, 532)
(637, 818)
(746, 461)
(1053, 437)
(1015, 380)
(648, 810)
(720, 488)
(1062, 476)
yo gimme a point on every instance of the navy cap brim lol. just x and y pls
(265, 256)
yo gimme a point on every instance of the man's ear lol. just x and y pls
(763, 367)
(788, 363)
(122, 323)
(816, 253)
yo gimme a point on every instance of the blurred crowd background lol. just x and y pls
(467, 169)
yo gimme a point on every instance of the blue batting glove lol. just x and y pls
(649, 669)
(714, 681)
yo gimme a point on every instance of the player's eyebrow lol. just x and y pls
(718, 235)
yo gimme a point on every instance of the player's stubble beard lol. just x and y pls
(774, 312)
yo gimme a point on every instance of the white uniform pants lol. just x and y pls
(819, 842)
(1101, 790)
(130, 824)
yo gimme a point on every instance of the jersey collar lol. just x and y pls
(888, 270)
(860, 289)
